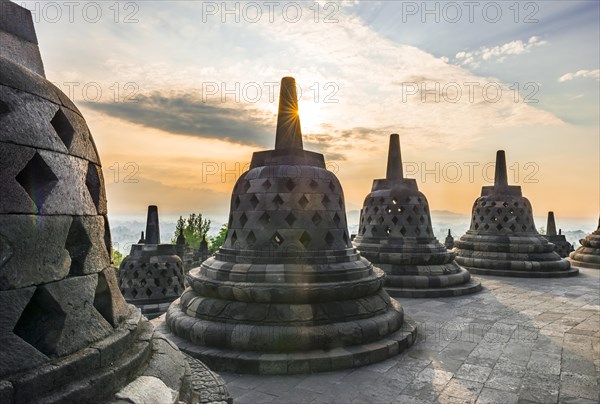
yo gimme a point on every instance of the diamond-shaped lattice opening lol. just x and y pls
(93, 184)
(331, 186)
(336, 219)
(134, 293)
(170, 280)
(517, 219)
(290, 219)
(277, 239)
(266, 185)
(290, 185)
(418, 231)
(341, 202)
(415, 209)
(476, 226)
(505, 204)
(305, 239)
(494, 219)
(427, 230)
(243, 219)
(381, 201)
(487, 211)
(403, 230)
(42, 322)
(78, 245)
(325, 200)
(506, 219)
(4, 108)
(422, 219)
(486, 227)
(369, 220)
(135, 275)
(278, 200)
(148, 292)
(246, 186)
(363, 230)
(380, 220)
(303, 202)
(516, 204)
(63, 128)
(401, 209)
(524, 227)
(388, 209)
(395, 220)
(251, 239)
(37, 179)
(254, 201)
(313, 184)
(329, 238)
(499, 226)
(230, 222)
(493, 203)
(395, 201)
(143, 283)
(237, 202)
(409, 219)
(316, 219)
(233, 237)
(499, 210)
(375, 209)
(388, 231)
(264, 219)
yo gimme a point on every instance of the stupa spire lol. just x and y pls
(394, 164)
(152, 229)
(501, 177)
(289, 133)
(551, 225)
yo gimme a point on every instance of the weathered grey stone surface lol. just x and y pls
(395, 233)
(151, 276)
(517, 341)
(503, 239)
(588, 255)
(66, 333)
(148, 390)
(287, 292)
(562, 247)
(449, 241)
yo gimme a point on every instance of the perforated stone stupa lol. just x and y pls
(395, 234)
(449, 241)
(151, 276)
(563, 247)
(287, 292)
(588, 255)
(66, 333)
(502, 239)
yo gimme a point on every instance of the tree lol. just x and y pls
(217, 241)
(542, 230)
(117, 258)
(194, 229)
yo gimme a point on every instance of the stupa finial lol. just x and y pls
(394, 164)
(152, 228)
(551, 225)
(289, 133)
(501, 177)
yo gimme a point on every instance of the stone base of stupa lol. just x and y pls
(273, 363)
(519, 256)
(133, 364)
(428, 286)
(586, 257)
(291, 324)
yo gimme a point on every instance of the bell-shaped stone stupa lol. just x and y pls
(66, 333)
(588, 255)
(151, 276)
(449, 241)
(503, 239)
(287, 292)
(563, 247)
(395, 234)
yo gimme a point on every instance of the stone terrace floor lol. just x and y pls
(517, 341)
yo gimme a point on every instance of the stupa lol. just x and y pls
(151, 276)
(287, 292)
(563, 247)
(502, 239)
(66, 333)
(449, 241)
(395, 234)
(588, 255)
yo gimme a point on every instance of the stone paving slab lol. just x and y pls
(517, 341)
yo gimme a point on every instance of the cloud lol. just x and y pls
(498, 53)
(580, 74)
(185, 114)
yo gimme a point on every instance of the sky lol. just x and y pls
(179, 94)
